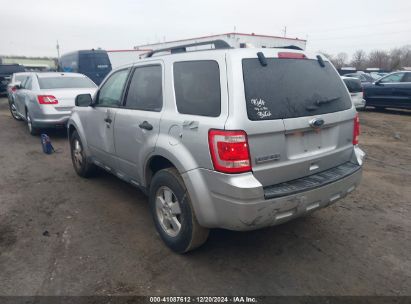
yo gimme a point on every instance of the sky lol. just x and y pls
(32, 28)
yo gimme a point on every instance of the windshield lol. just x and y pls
(288, 88)
(94, 62)
(65, 83)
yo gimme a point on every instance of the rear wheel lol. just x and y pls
(32, 130)
(173, 212)
(81, 163)
(13, 111)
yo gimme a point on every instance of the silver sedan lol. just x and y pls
(45, 100)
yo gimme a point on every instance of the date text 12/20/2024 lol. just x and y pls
(203, 299)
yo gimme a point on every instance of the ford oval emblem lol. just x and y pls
(316, 123)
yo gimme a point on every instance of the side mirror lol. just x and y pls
(378, 83)
(83, 100)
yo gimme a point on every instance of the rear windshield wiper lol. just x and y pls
(320, 102)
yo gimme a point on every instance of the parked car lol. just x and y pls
(6, 70)
(15, 81)
(45, 100)
(222, 138)
(95, 64)
(391, 91)
(356, 91)
(363, 77)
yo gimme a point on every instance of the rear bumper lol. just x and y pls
(51, 121)
(238, 202)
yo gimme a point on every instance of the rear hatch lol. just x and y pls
(300, 117)
(64, 88)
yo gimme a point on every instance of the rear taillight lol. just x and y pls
(13, 89)
(356, 132)
(291, 55)
(229, 151)
(47, 99)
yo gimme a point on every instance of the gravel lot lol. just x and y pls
(63, 235)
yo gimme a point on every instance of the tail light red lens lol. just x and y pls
(47, 99)
(356, 130)
(229, 151)
(13, 89)
(291, 55)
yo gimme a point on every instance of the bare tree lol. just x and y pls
(359, 59)
(395, 59)
(340, 60)
(379, 59)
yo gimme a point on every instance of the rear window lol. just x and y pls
(197, 87)
(288, 88)
(353, 85)
(47, 83)
(20, 77)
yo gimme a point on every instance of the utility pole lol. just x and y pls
(58, 50)
(285, 31)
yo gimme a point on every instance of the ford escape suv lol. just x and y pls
(228, 138)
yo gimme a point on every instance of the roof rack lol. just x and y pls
(218, 44)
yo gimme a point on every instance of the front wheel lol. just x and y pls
(81, 163)
(173, 212)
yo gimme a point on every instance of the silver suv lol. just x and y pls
(235, 138)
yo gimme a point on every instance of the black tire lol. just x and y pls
(191, 235)
(13, 111)
(81, 162)
(32, 130)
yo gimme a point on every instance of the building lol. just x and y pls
(31, 63)
(236, 40)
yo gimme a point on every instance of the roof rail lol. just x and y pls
(218, 44)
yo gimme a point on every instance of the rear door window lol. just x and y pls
(197, 87)
(288, 88)
(407, 77)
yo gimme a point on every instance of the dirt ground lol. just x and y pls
(64, 235)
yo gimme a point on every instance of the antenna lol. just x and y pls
(285, 31)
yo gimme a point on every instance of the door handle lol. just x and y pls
(146, 125)
(108, 120)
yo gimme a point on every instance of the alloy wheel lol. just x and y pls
(77, 154)
(168, 211)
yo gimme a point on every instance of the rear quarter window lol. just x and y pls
(289, 88)
(197, 87)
